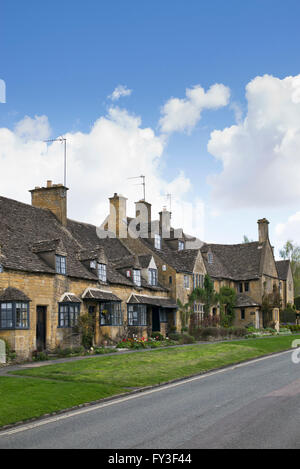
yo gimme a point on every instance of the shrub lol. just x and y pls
(238, 331)
(175, 336)
(39, 356)
(186, 339)
(157, 336)
(294, 327)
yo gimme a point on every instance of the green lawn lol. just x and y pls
(53, 387)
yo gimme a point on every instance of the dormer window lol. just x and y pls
(157, 241)
(210, 257)
(60, 264)
(152, 277)
(180, 245)
(137, 277)
(102, 272)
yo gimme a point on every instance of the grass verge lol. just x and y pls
(50, 388)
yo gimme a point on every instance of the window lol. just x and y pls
(137, 315)
(157, 241)
(162, 315)
(246, 286)
(61, 265)
(198, 307)
(68, 314)
(111, 314)
(14, 315)
(210, 258)
(137, 277)
(240, 288)
(186, 281)
(102, 272)
(180, 245)
(170, 280)
(1, 269)
(152, 276)
(242, 313)
(198, 280)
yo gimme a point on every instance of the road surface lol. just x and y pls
(253, 405)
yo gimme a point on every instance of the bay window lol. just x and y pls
(111, 313)
(14, 315)
(68, 314)
(137, 315)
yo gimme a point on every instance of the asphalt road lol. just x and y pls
(256, 405)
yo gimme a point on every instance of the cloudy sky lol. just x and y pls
(202, 97)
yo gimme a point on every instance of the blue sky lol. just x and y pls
(63, 59)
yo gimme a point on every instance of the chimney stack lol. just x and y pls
(52, 197)
(143, 214)
(263, 230)
(165, 223)
(117, 221)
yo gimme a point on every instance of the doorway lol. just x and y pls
(155, 319)
(41, 316)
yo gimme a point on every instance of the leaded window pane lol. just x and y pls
(61, 265)
(102, 272)
(137, 315)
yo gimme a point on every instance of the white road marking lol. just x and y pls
(91, 408)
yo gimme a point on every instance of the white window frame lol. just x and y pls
(137, 279)
(157, 241)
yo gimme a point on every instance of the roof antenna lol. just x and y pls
(64, 141)
(169, 198)
(143, 183)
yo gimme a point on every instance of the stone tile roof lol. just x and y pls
(69, 298)
(181, 261)
(26, 231)
(13, 294)
(234, 261)
(152, 300)
(282, 269)
(243, 300)
(97, 294)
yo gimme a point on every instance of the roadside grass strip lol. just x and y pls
(52, 388)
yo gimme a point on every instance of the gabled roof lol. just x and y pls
(282, 269)
(234, 261)
(98, 294)
(181, 261)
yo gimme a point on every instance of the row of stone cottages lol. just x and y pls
(52, 269)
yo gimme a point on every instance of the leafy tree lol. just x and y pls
(270, 301)
(206, 295)
(185, 312)
(291, 252)
(227, 300)
(247, 240)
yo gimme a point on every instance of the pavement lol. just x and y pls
(250, 405)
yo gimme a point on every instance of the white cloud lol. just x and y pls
(260, 154)
(33, 129)
(99, 163)
(119, 92)
(289, 229)
(179, 115)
